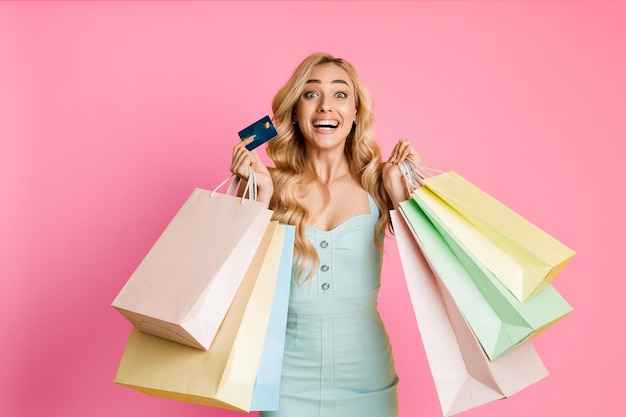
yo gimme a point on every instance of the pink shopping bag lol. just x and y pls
(183, 287)
(463, 374)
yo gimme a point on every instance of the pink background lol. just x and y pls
(111, 113)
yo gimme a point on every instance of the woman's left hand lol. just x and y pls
(392, 177)
(403, 150)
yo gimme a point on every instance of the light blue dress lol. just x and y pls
(338, 360)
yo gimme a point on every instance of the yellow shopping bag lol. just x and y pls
(531, 257)
(224, 375)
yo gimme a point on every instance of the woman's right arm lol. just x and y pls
(243, 161)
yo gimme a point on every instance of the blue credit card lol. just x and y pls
(263, 130)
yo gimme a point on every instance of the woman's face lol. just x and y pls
(326, 108)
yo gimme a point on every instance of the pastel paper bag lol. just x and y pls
(267, 386)
(498, 320)
(183, 287)
(538, 257)
(225, 375)
(539, 312)
(464, 376)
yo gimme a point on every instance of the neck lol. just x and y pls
(329, 168)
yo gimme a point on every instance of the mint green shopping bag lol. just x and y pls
(499, 321)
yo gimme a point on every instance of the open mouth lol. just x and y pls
(326, 125)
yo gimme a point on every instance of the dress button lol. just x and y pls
(325, 286)
(324, 244)
(325, 268)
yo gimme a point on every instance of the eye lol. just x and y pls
(341, 94)
(311, 94)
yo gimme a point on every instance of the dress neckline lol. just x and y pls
(373, 210)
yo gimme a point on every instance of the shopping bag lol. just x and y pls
(464, 376)
(499, 320)
(224, 376)
(183, 287)
(267, 386)
(539, 312)
(534, 257)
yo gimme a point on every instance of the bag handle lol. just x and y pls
(234, 182)
(424, 172)
(420, 172)
(412, 178)
(251, 189)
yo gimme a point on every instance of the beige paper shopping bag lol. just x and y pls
(464, 376)
(183, 287)
(224, 376)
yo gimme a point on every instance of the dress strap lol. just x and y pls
(373, 206)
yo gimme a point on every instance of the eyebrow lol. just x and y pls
(332, 82)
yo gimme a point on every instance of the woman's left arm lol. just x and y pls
(392, 177)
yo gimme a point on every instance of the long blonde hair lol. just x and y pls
(292, 173)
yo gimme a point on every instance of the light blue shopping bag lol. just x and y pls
(267, 386)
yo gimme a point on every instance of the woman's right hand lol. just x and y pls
(243, 161)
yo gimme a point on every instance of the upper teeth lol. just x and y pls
(326, 123)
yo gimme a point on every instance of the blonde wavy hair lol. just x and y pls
(292, 172)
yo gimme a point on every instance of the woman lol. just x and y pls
(329, 181)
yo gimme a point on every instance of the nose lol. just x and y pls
(324, 105)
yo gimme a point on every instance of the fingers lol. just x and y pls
(392, 170)
(403, 150)
(241, 145)
(242, 160)
(400, 151)
(241, 165)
